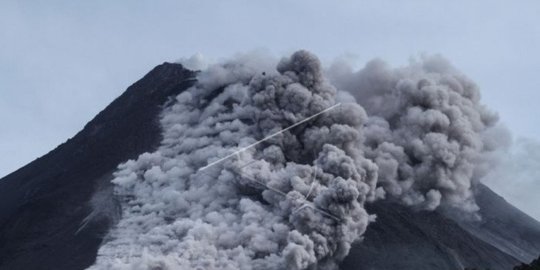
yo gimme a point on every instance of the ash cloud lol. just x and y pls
(426, 130)
(296, 201)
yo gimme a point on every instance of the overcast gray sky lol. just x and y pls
(61, 62)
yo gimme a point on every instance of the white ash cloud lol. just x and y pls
(195, 62)
(295, 201)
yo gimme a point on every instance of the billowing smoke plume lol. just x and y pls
(296, 200)
(425, 131)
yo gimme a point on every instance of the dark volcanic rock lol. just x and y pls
(43, 205)
(534, 265)
(406, 239)
(505, 226)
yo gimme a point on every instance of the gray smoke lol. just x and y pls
(295, 201)
(426, 130)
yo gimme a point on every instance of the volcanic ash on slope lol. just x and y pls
(296, 200)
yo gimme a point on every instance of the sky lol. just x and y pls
(61, 62)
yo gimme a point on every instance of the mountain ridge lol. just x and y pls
(43, 204)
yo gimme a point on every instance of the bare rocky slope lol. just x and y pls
(405, 239)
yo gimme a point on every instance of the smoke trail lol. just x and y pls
(295, 201)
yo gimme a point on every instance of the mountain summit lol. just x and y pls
(43, 205)
(62, 212)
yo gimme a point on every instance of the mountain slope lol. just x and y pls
(405, 239)
(43, 204)
(505, 226)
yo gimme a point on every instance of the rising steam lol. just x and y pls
(295, 201)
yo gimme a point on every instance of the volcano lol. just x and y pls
(48, 216)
